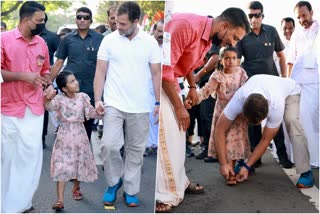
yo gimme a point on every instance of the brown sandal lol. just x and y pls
(77, 195)
(58, 206)
(231, 181)
(194, 189)
(162, 207)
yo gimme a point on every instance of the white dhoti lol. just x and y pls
(171, 176)
(309, 116)
(21, 160)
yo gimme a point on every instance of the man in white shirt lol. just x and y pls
(303, 65)
(256, 100)
(127, 59)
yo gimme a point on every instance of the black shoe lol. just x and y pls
(202, 155)
(286, 164)
(189, 152)
(210, 160)
(147, 152)
(257, 164)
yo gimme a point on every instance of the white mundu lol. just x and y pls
(127, 85)
(274, 89)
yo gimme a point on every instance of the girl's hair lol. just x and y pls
(61, 79)
(222, 53)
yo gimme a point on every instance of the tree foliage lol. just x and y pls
(10, 10)
(147, 7)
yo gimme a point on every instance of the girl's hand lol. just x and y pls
(193, 96)
(188, 103)
(99, 107)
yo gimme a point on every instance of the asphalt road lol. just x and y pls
(269, 190)
(93, 192)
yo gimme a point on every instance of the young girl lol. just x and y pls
(72, 158)
(224, 83)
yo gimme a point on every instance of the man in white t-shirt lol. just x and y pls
(256, 100)
(127, 59)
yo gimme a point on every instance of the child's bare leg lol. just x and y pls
(76, 185)
(77, 195)
(60, 190)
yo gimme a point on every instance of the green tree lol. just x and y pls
(147, 7)
(10, 10)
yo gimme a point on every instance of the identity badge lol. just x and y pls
(166, 49)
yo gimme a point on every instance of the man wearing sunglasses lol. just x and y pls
(257, 48)
(81, 47)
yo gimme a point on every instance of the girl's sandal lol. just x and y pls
(231, 181)
(194, 189)
(162, 207)
(77, 195)
(58, 206)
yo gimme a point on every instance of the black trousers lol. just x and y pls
(194, 113)
(45, 125)
(255, 135)
(88, 126)
(206, 113)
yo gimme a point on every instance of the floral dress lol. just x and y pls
(72, 157)
(237, 141)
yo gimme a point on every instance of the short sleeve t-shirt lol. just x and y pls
(274, 89)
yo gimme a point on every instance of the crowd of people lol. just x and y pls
(247, 74)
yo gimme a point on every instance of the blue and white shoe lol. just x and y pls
(110, 196)
(131, 200)
(305, 180)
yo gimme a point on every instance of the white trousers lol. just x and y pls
(21, 160)
(309, 116)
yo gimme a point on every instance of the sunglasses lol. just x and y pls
(79, 17)
(256, 15)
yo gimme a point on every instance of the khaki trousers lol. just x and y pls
(296, 134)
(130, 130)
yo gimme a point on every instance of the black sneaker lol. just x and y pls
(286, 164)
(202, 155)
(189, 152)
(210, 160)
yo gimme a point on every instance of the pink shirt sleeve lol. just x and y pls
(181, 36)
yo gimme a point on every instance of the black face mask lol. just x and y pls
(38, 30)
(216, 40)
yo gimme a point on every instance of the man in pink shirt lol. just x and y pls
(25, 71)
(190, 36)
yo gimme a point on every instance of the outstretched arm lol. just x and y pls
(222, 127)
(98, 84)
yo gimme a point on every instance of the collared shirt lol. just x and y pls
(257, 51)
(302, 54)
(128, 85)
(190, 42)
(82, 57)
(52, 40)
(19, 55)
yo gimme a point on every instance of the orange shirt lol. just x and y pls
(18, 55)
(190, 43)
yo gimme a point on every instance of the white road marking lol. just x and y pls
(312, 192)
